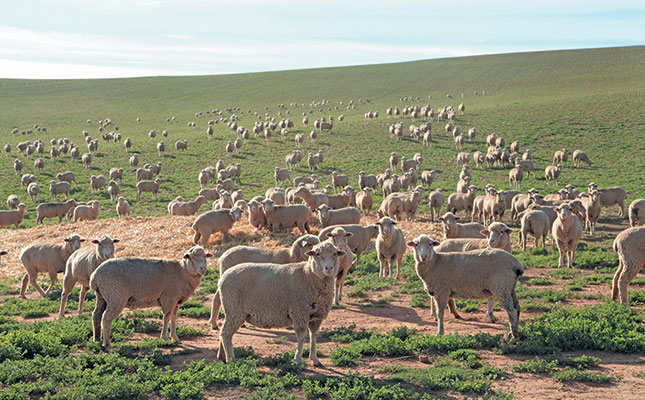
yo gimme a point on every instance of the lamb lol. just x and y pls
(215, 221)
(281, 175)
(33, 189)
(312, 200)
(247, 254)
(58, 189)
(286, 217)
(328, 217)
(301, 296)
(339, 181)
(560, 157)
(86, 212)
(13, 217)
(435, 201)
(461, 201)
(566, 231)
(87, 160)
(578, 156)
(629, 245)
(125, 282)
(591, 204)
(186, 207)
(636, 212)
(122, 207)
(79, 268)
(390, 247)
(148, 186)
(53, 210)
(339, 237)
(50, 258)
(552, 173)
(535, 222)
(13, 201)
(66, 177)
(485, 274)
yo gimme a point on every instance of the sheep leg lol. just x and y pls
(440, 304)
(215, 310)
(562, 252)
(314, 326)
(173, 324)
(53, 278)
(301, 333)
(398, 268)
(571, 252)
(381, 272)
(628, 273)
(34, 283)
(231, 325)
(23, 288)
(68, 285)
(112, 311)
(97, 314)
(614, 285)
(511, 305)
(164, 328)
(453, 308)
(195, 239)
(489, 311)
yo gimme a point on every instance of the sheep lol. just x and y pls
(566, 231)
(312, 200)
(636, 212)
(390, 247)
(39, 164)
(86, 212)
(275, 194)
(122, 207)
(452, 229)
(552, 173)
(181, 145)
(464, 184)
(485, 274)
(493, 207)
(80, 266)
(560, 157)
(578, 156)
(365, 181)
(50, 258)
(33, 189)
(87, 160)
(408, 164)
(17, 166)
(339, 237)
(496, 236)
(13, 217)
(435, 202)
(53, 210)
(97, 182)
(552, 214)
(394, 161)
(225, 201)
(125, 282)
(535, 222)
(515, 146)
(364, 201)
(59, 188)
(391, 185)
(612, 196)
(629, 245)
(246, 254)
(328, 217)
(257, 219)
(286, 217)
(515, 176)
(411, 201)
(427, 177)
(301, 296)
(281, 175)
(462, 201)
(522, 201)
(591, 204)
(215, 221)
(67, 177)
(13, 201)
(304, 180)
(339, 181)
(134, 160)
(148, 186)
(186, 207)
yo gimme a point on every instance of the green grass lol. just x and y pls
(546, 100)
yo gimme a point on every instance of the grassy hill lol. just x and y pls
(593, 100)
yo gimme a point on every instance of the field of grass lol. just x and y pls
(587, 99)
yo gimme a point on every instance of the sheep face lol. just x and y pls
(386, 226)
(497, 234)
(324, 259)
(422, 248)
(236, 213)
(564, 212)
(304, 244)
(105, 247)
(195, 260)
(448, 221)
(340, 237)
(73, 242)
(323, 210)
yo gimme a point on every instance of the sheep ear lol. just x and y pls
(67, 240)
(509, 231)
(95, 241)
(377, 223)
(329, 234)
(340, 253)
(208, 255)
(186, 256)
(310, 253)
(394, 222)
(81, 240)
(440, 218)
(3, 252)
(457, 218)
(411, 244)
(557, 209)
(349, 234)
(485, 232)
(116, 240)
(434, 243)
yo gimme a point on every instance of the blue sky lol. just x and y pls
(119, 38)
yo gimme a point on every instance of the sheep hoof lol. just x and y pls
(316, 362)
(491, 318)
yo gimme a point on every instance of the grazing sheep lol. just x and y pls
(427, 177)
(566, 231)
(281, 175)
(552, 173)
(186, 207)
(578, 156)
(636, 212)
(535, 222)
(67, 177)
(301, 295)
(87, 160)
(79, 268)
(126, 282)
(54, 210)
(630, 247)
(86, 212)
(484, 274)
(33, 189)
(390, 247)
(148, 186)
(13, 202)
(13, 217)
(328, 217)
(210, 193)
(122, 207)
(60, 188)
(365, 181)
(452, 229)
(560, 157)
(246, 254)
(215, 221)
(591, 203)
(50, 258)
(286, 217)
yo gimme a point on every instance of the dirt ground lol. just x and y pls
(169, 237)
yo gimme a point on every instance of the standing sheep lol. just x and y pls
(148, 186)
(122, 207)
(578, 156)
(53, 210)
(552, 173)
(215, 221)
(13, 202)
(591, 203)
(364, 200)
(86, 212)
(566, 231)
(60, 188)
(286, 217)
(301, 295)
(636, 212)
(390, 247)
(630, 247)
(79, 268)
(535, 222)
(347, 215)
(186, 207)
(281, 175)
(339, 237)
(50, 258)
(139, 283)
(13, 217)
(33, 189)
(435, 202)
(452, 229)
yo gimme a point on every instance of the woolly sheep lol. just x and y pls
(560, 157)
(535, 222)
(462, 201)
(391, 206)
(186, 207)
(53, 210)
(60, 188)
(612, 196)
(452, 229)
(390, 247)
(13, 217)
(339, 237)
(365, 181)
(364, 200)
(281, 175)
(566, 231)
(87, 160)
(33, 189)
(122, 207)
(134, 160)
(49, 258)
(435, 202)
(552, 173)
(636, 212)
(13, 201)
(148, 186)
(17, 166)
(257, 219)
(225, 201)
(301, 296)
(328, 217)
(394, 161)
(591, 204)
(79, 268)
(39, 164)
(86, 212)
(580, 156)
(484, 274)
(312, 200)
(215, 221)
(126, 282)
(286, 217)
(630, 247)
(66, 177)
(339, 181)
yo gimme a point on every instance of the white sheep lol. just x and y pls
(390, 247)
(186, 207)
(54, 210)
(339, 237)
(49, 258)
(436, 200)
(86, 212)
(33, 189)
(13, 202)
(286, 217)
(148, 186)
(580, 156)
(462, 201)
(636, 212)
(347, 215)
(364, 200)
(452, 229)
(13, 217)
(79, 268)
(611, 196)
(301, 296)
(281, 175)
(122, 207)
(566, 231)
(552, 173)
(485, 274)
(139, 283)
(591, 203)
(535, 222)
(630, 247)
(215, 221)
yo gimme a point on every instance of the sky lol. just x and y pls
(124, 38)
